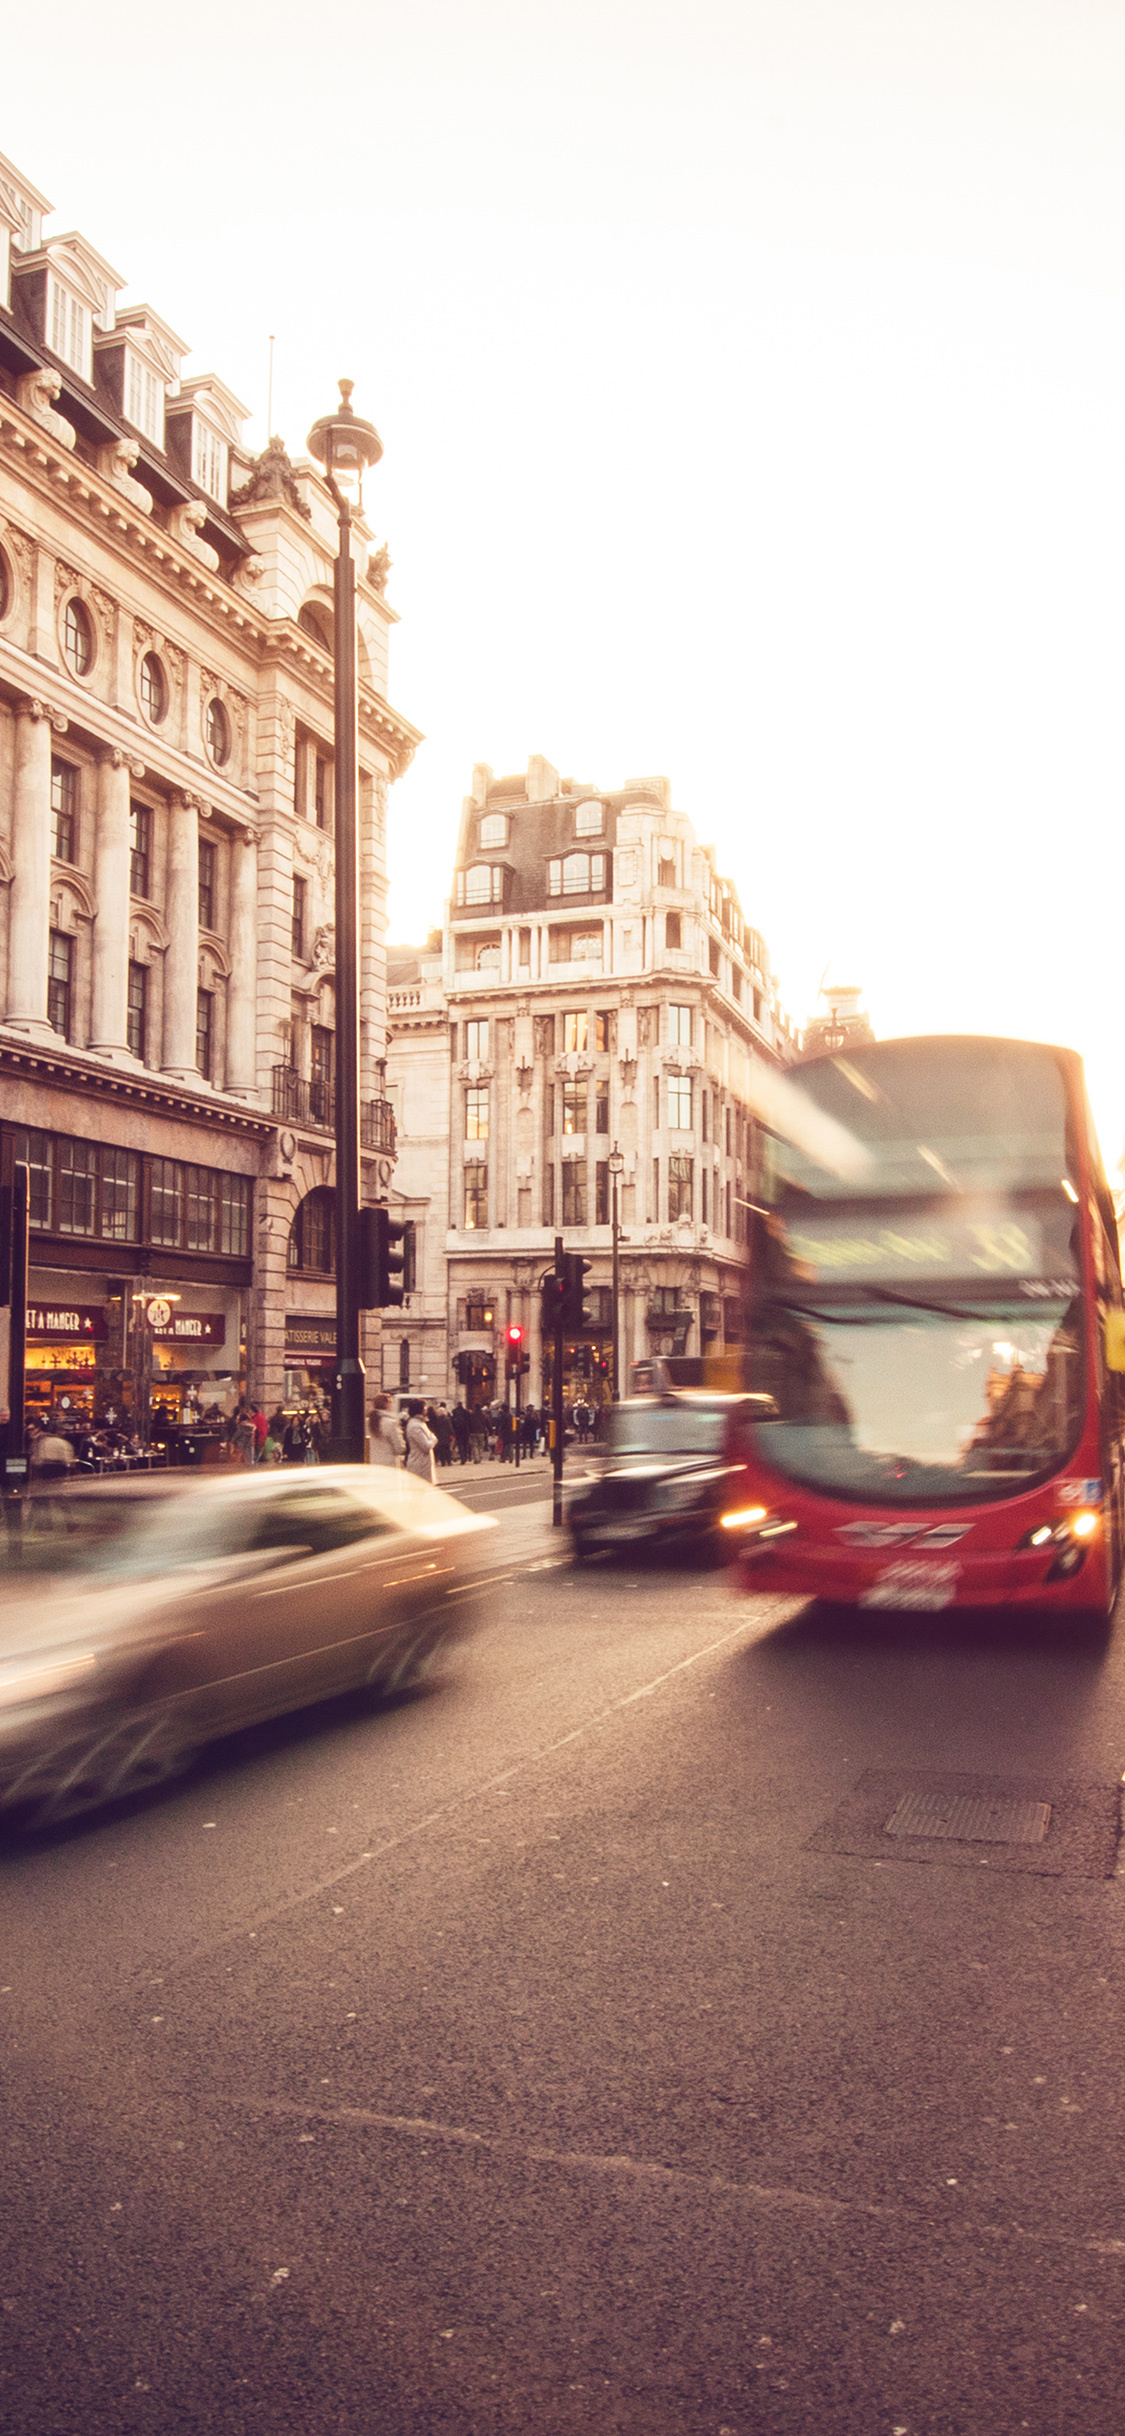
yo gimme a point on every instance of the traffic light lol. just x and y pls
(552, 1304)
(382, 1264)
(513, 1342)
(576, 1317)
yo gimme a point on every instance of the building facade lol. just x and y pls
(602, 993)
(166, 850)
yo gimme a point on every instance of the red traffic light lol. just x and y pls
(515, 1335)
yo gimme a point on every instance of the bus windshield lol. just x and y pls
(920, 1325)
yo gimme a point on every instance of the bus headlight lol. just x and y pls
(1083, 1525)
(744, 1518)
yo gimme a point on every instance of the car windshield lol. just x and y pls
(666, 1429)
(909, 1406)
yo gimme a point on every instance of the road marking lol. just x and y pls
(460, 1802)
(770, 2198)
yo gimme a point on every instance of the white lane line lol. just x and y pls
(572, 2160)
(767, 2198)
(460, 1802)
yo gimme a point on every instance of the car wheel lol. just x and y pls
(111, 1763)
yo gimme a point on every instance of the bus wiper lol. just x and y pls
(944, 1310)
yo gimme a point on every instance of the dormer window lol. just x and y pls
(68, 326)
(209, 460)
(589, 819)
(481, 884)
(144, 399)
(494, 829)
(576, 875)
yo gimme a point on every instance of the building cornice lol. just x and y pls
(137, 1086)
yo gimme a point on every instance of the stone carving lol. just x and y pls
(114, 757)
(184, 524)
(271, 480)
(36, 392)
(378, 568)
(30, 707)
(248, 572)
(105, 610)
(324, 946)
(644, 1027)
(66, 579)
(115, 464)
(544, 1035)
(20, 546)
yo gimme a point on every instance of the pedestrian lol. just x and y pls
(442, 1427)
(261, 1431)
(420, 1444)
(478, 1432)
(243, 1432)
(386, 1444)
(271, 1451)
(530, 1430)
(52, 1456)
(459, 1422)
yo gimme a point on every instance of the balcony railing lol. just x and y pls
(300, 1099)
(303, 1101)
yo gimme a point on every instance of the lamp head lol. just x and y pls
(345, 445)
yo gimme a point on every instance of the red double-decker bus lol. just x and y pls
(936, 1320)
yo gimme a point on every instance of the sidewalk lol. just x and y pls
(448, 1476)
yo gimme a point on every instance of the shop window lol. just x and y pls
(234, 1216)
(574, 1108)
(679, 1186)
(574, 1192)
(121, 1175)
(136, 1010)
(59, 963)
(679, 1102)
(34, 1150)
(199, 1186)
(76, 1174)
(64, 810)
(207, 863)
(140, 848)
(476, 1113)
(476, 1197)
(166, 1191)
(204, 1010)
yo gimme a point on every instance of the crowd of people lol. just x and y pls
(423, 1438)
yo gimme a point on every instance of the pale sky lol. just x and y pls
(752, 385)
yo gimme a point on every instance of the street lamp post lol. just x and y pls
(616, 1171)
(345, 445)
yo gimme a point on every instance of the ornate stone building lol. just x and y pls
(166, 960)
(601, 990)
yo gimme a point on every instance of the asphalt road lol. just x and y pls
(552, 2053)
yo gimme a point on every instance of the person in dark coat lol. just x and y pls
(459, 1423)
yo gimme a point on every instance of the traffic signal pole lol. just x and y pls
(557, 1390)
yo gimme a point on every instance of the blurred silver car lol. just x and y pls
(141, 1618)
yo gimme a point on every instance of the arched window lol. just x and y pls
(313, 618)
(312, 1236)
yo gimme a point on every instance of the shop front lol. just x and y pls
(137, 1355)
(310, 1359)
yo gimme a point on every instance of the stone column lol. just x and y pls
(242, 988)
(29, 898)
(181, 961)
(108, 1025)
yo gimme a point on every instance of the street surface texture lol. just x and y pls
(535, 2055)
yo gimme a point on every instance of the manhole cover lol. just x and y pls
(969, 1818)
(1053, 1828)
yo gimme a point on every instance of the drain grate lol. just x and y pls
(1048, 1828)
(968, 1818)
